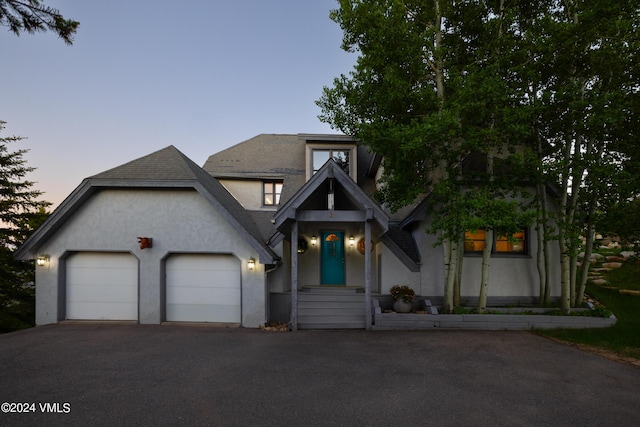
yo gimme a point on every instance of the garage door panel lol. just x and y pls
(107, 293)
(206, 295)
(203, 288)
(109, 260)
(192, 262)
(203, 278)
(102, 286)
(103, 276)
(203, 313)
(103, 311)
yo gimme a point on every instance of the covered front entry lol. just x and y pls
(101, 286)
(331, 200)
(332, 258)
(203, 288)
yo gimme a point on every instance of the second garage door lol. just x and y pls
(203, 288)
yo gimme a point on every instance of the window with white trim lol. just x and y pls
(271, 191)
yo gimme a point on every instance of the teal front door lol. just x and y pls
(332, 258)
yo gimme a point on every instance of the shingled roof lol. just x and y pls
(282, 156)
(265, 155)
(166, 168)
(165, 164)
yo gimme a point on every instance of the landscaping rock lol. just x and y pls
(600, 282)
(611, 265)
(596, 257)
(628, 254)
(615, 258)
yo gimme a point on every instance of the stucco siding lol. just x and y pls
(309, 264)
(432, 267)
(247, 192)
(394, 272)
(178, 221)
(509, 276)
(278, 278)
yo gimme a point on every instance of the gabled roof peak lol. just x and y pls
(165, 168)
(330, 171)
(168, 163)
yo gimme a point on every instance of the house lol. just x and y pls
(276, 228)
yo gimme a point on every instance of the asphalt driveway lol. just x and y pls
(121, 374)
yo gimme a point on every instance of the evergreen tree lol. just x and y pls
(32, 16)
(20, 214)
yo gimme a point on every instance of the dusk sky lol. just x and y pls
(202, 75)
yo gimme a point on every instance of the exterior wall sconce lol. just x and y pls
(314, 240)
(251, 264)
(42, 260)
(145, 242)
(352, 241)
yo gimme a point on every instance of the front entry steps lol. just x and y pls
(331, 307)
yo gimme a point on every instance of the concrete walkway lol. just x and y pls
(123, 374)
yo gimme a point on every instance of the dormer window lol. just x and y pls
(271, 191)
(342, 149)
(341, 157)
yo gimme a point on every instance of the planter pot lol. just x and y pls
(402, 307)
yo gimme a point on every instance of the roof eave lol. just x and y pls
(90, 186)
(330, 170)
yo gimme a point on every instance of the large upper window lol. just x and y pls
(271, 191)
(320, 157)
(474, 241)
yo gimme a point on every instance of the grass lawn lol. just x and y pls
(623, 338)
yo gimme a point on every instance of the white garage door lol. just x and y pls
(102, 286)
(203, 288)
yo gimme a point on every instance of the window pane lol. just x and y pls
(320, 157)
(514, 244)
(278, 191)
(474, 241)
(342, 159)
(268, 194)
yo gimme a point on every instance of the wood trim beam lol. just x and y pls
(367, 275)
(294, 277)
(330, 216)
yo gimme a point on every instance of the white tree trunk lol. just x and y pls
(484, 279)
(450, 268)
(458, 282)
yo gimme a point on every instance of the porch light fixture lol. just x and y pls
(42, 260)
(352, 241)
(251, 264)
(314, 240)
